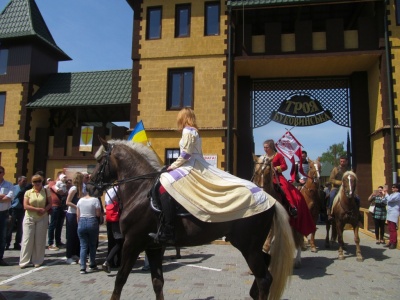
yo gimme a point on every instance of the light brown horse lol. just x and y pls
(345, 211)
(263, 177)
(311, 193)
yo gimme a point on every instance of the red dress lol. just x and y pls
(303, 223)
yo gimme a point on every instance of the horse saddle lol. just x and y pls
(155, 202)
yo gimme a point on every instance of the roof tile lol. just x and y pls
(22, 18)
(100, 88)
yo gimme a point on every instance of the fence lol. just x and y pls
(367, 216)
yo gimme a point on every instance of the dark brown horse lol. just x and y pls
(345, 211)
(263, 177)
(311, 193)
(134, 167)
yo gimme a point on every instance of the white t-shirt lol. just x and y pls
(72, 210)
(88, 206)
(110, 196)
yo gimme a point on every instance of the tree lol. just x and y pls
(333, 154)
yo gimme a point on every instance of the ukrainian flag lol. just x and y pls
(138, 134)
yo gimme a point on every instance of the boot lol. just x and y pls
(293, 211)
(328, 212)
(166, 234)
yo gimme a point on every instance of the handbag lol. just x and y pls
(372, 208)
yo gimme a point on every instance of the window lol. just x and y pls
(182, 20)
(211, 20)
(180, 88)
(171, 155)
(2, 107)
(153, 25)
(397, 7)
(3, 61)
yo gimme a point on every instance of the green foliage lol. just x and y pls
(333, 154)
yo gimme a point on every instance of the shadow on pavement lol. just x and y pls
(24, 295)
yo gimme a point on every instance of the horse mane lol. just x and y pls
(350, 173)
(339, 193)
(143, 150)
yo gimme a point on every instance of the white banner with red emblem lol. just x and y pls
(86, 140)
(289, 146)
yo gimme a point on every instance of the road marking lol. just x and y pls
(31, 271)
(195, 266)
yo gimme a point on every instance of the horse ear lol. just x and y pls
(102, 141)
(255, 158)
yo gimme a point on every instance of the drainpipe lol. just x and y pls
(229, 135)
(390, 91)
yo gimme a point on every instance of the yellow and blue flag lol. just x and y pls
(138, 134)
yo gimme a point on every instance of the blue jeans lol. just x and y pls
(332, 196)
(56, 224)
(3, 230)
(88, 231)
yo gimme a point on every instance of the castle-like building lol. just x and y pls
(238, 64)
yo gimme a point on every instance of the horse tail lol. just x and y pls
(282, 250)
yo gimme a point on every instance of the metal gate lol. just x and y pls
(332, 93)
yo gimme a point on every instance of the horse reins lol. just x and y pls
(349, 194)
(100, 185)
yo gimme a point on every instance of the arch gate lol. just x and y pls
(304, 102)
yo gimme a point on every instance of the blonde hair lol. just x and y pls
(37, 177)
(186, 117)
(78, 182)
(271, 144)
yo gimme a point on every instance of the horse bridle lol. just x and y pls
(262, 168)
(105, 165)
(350, 192)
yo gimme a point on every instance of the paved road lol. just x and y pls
(213, 272)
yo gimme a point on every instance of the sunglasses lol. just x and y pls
(37, 181)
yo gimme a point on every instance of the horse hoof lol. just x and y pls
(341, 257)
(360, 259)
(313, 249)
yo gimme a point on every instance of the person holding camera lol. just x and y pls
(379, 214)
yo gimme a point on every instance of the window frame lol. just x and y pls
(149, 25)
(207, 18)
(170, 161)
(2, 107)
(3, 61)
(397, 9)
(170, 88)
(178, 8)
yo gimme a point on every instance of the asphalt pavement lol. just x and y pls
(213, 271)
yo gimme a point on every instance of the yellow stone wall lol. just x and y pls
(206, 55)
(394, 33)
(9, 131)
(376, 122)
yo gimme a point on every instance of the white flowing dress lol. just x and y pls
(207, 192)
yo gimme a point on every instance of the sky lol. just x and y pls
(97, 35)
